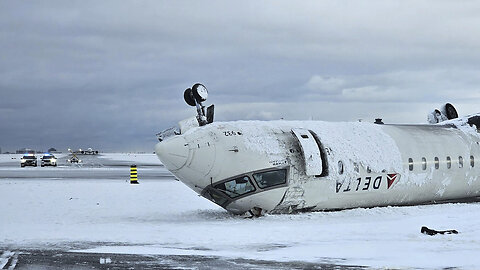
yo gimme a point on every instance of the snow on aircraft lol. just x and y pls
(291, 166)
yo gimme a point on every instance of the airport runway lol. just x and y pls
(91, 167)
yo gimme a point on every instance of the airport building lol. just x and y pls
(25, 151)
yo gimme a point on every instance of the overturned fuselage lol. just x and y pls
(289, 166)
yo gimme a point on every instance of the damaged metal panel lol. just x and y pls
(310, 150)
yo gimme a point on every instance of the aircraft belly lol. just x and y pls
(204, 164)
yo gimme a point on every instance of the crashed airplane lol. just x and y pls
(291, 166)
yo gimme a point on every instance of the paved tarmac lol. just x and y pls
(59, 259)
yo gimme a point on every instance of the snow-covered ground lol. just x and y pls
(108, 215)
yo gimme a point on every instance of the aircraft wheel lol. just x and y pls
(188, 97)
(200, 92)
(450, 111)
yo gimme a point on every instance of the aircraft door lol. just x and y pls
(310, 150)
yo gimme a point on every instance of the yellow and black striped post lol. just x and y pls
(133, 174)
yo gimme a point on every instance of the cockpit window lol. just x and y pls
(271, 178)
(216, 196)
(236, 187)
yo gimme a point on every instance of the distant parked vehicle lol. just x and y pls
(74, 159)
(49, 160)
(28, 160)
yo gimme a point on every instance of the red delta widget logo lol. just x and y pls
(369, 183)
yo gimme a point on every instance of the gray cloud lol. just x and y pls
(111, 74)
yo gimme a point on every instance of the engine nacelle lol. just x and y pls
(474, 121)
(446, 112)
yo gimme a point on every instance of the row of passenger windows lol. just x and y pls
(436, 163)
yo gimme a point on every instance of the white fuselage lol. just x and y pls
(289, 166)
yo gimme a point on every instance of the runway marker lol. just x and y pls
(133, 174)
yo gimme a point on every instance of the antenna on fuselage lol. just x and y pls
(194, 97)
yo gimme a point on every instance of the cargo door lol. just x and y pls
(310, 150)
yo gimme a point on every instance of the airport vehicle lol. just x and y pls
(28, 160)
(291, 166)
(48, 160)
(73, 157)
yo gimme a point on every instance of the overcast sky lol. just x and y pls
(111, 74)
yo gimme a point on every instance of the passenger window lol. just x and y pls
(236, 187)
(460, 162)
(437, 163)
(271, 178)
(472, 161)
(410, 164)
(449, 163)
(424, 163)
(340, 167)
(369, 170)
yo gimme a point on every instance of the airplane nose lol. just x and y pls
(173, 153)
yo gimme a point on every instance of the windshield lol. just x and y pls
(271, 178)
(236, 187)
(48, 157)
(29, 157)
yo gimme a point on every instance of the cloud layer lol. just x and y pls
(111, 74)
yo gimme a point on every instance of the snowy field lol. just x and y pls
(161, 216)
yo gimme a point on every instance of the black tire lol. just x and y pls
(22, 165)
(188, 96)
(450, 111)
(195, 92)
(43, 165)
